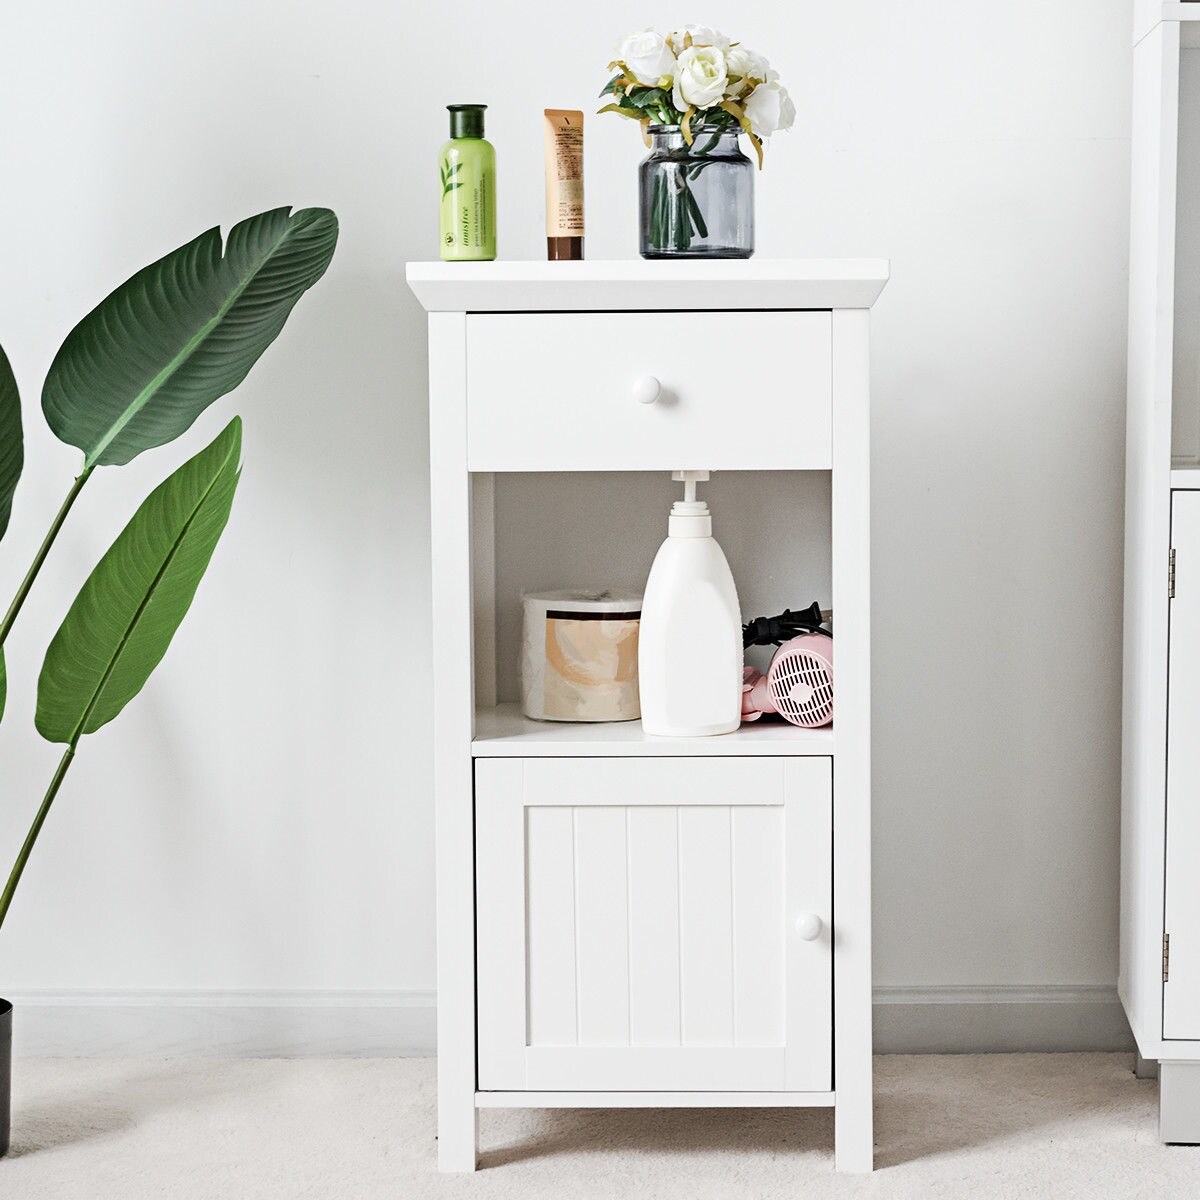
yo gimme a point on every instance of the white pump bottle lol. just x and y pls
(690, 639)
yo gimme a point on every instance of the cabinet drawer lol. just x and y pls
(737, 390)
(636, 924)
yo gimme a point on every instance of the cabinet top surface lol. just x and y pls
(1149, 13)
(637, 284)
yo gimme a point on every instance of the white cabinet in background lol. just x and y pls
(654, 925)
(1159, 980)
(627, 920)
(1181, 975)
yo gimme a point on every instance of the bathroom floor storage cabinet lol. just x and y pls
(1160, 784)
(626, 920)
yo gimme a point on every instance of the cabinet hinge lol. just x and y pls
(1166, 957)
(1171, 577)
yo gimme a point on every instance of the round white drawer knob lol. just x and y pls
(646, 389)
(808, 927)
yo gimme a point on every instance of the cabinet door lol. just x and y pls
(1181, 992)
(654, 924)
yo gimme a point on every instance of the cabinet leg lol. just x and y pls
(1179, 1102)
(854, 1134)
(458, 1134)
(1145, 1068)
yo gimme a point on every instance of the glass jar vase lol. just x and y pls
(696, 201)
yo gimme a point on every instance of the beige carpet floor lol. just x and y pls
(977, 1127)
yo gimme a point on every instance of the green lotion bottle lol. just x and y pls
(468, 171)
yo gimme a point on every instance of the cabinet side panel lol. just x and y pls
(1147, 524)
(851, 510)
(453, 708)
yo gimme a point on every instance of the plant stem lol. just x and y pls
(40, 558)
(31, 837)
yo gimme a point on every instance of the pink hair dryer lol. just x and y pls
(798, 684)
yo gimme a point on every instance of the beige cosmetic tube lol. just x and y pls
(564, 183)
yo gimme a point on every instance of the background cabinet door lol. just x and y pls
(1181, 993)
(637, 924)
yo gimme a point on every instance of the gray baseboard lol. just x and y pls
(908, 1020)
(1000, 1019)
(236, 1024)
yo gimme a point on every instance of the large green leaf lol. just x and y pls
(142, 365)
(12, 459)
(12, 451)
(124, 617)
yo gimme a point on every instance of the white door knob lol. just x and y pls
(646, 389)
(808, 927)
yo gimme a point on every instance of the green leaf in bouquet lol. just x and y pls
(634, 114)
(647, 97)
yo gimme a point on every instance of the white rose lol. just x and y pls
(701, 35)
(700, 78)
(749, 65)
(770, 109)
(647, 56)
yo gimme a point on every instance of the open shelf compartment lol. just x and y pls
(549, 530)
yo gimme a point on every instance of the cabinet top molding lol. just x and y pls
(1149, 13)
(635, 284)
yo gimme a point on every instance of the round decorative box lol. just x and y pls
(579, 653)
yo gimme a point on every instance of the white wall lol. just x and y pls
(260, 818)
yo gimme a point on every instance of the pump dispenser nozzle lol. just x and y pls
(689, 479)
(689, 516)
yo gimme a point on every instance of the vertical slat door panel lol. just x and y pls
(550, 875)
(1181, 991)
(601, 927)
(759, 976)
(645, 939)
(706, 926)
(654, 1016)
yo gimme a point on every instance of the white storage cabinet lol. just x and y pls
(1160, 786)
(626, 920)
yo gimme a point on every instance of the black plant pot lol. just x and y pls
(5, 1073)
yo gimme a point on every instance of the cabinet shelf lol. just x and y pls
(504, 732)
